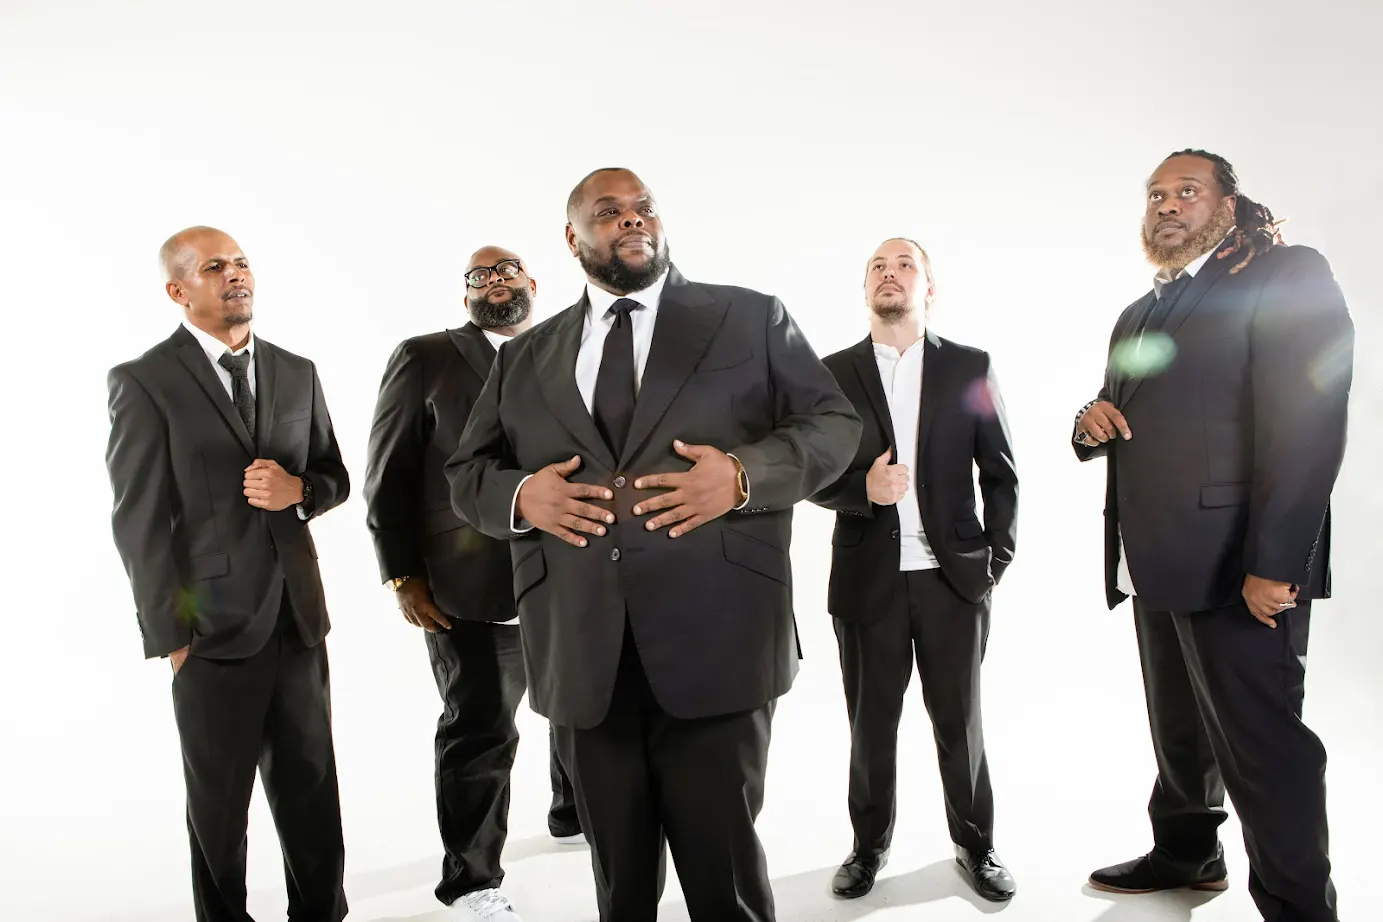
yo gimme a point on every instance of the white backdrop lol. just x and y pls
(360, 151)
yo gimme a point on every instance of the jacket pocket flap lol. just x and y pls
(753, 554)
(529, 571)
(969, 528)
(1214, 495)
(208, 567)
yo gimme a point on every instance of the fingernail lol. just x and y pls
(610, 520)
(581, 543)
(677, 442)
(600, 531)
(675, 534)
(638, 510)
(609, 495)
(638, 485)
(649, 526)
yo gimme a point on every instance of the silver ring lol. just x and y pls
(1284, 604)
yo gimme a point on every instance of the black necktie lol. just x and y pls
(614, 384)
(239, 368)
(1157, 314)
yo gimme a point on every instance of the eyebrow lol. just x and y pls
(1198, 181)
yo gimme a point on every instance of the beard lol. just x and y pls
(890, 312)
(1177, 256)
(237, 315)
(489, 315)
(615, 275)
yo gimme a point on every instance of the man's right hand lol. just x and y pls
(415, 601)
(177, 658)
(547, 502)
(1101, 422)
(886, 483)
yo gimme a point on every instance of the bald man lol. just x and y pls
(457, 584)
(221, 453)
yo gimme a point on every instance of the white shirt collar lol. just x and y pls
(213, 347)
(496, 339)
(1163, 277)
(885, 351)
(601, 300)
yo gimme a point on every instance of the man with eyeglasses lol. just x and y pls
(457, 584)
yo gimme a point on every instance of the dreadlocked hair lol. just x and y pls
(1255, 228)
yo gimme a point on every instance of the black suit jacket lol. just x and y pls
(424, 400)
(206, 567)
(961, 427)
(1237, 441)
(711, 611)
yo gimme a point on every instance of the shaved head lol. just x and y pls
(178, 255)
(574, 200)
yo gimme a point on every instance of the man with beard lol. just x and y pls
(221, 451)
(1223, 419)
(642, 451)
(457, 584)
(912, 567)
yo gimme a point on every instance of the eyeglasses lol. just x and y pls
(506, 269)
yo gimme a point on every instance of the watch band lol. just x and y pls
(397, 582)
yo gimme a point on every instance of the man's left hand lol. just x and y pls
(268, 486)
(707, 491)
(1268, 598)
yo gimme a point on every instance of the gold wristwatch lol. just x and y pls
(741, 482)
(397, 582)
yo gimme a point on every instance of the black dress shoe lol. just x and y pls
(856, 876)
(1141, 876)
(988, 875)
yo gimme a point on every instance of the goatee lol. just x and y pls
(616, 275)
(489, 315)
(237, 317)
(1175, 257)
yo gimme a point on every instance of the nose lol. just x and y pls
(237, 275)
(632, 219)
(1169, 208)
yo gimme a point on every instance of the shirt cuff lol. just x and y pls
(747, 485)
(519, 526)
(302, 516)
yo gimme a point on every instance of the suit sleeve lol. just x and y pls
(848, 493)
(816, 429)
(998, 475)
(1302, 342)
(483, 473)
(139, 462)
(394, 467)
(331, 485)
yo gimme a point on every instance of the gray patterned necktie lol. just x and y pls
(239, 368)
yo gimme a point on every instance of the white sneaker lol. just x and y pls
(483, 906)
(577, 839)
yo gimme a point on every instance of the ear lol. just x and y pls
(571, 239)
(532, 286)
(175, 292)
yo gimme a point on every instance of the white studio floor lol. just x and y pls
(1069, 752)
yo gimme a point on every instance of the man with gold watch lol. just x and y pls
(457, 584)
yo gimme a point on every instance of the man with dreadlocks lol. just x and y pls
(1223, 419)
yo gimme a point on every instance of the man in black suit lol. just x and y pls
(642, 452)
(221, 451)
(1223, 419)
(456, 583)
(912, 567)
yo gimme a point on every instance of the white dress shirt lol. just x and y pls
(597, 325)
(214, 349)
(496, 339)
(902, 379)
(1123, 579)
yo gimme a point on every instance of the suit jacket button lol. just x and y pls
(893, 534)
(614, 555)
(620, 482)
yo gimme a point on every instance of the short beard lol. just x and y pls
(890, 314)
(490, 316)
(1178, 256)
(237, 316)
(617, 276)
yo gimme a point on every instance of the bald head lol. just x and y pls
(503, 300)
(579, 192)
(179, 253)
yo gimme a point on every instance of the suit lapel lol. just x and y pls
(266, 391)
(1120, 382)
(470, 341)
(554, 359)
(867, 370)
(932, 373)
(190, 353)
(1200, 283)
(687, 320)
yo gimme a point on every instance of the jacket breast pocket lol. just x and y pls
(730, 356)
(293, 416)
